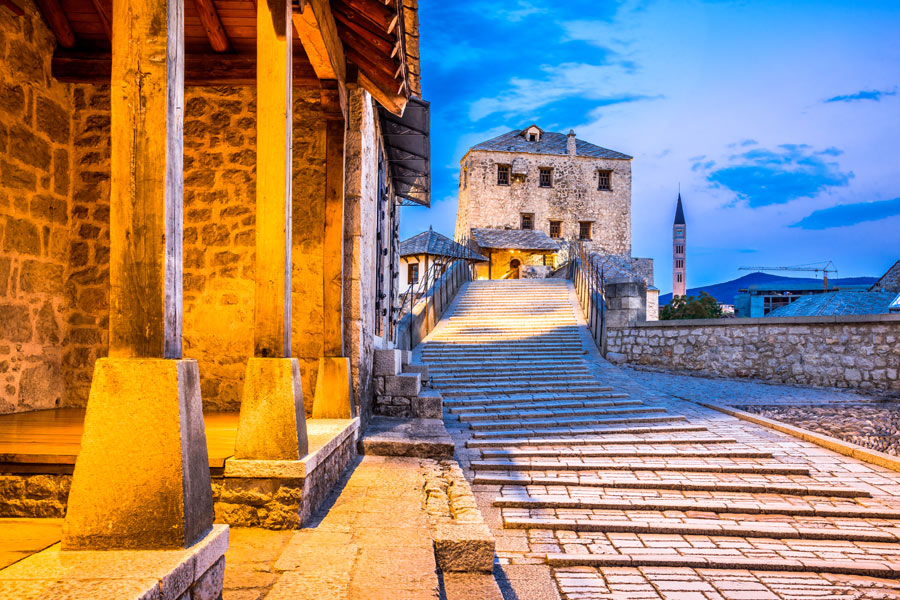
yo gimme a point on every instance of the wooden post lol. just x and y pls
(141, 479)
(272, 313)
(333, 242)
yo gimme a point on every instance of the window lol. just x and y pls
(679, 233)
(584, 230)
(679, 249)
(678, 277)
(502, 174)
(679, 263)
(555, 229)
(546, 177)
(604, 180)
(532, 137)
(527, 220)
(413, 273)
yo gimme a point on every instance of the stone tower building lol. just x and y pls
(679, 247)
(547, 182)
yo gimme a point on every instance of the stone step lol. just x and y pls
(463, 367)
(521, 360)
(467, 412)
(524, 415)
(505, 346)
(712, 527)
(506, 378)
(768, 469)
(649, 453)
(729, 562)
(598, 441)
(704, 505)
(569, 374)
(486, 402)
(513, 390)
(498, 427)
(565, 433)
(792, 489)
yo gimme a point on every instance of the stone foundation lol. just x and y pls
(283, 494)
(398, 388)
(859, 352)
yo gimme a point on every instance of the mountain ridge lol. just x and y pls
(725, 292)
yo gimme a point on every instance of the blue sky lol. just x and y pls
(780, 120)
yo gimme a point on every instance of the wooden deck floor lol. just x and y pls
(53, 437)
(23, 537)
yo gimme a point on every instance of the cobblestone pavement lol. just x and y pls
(370, 542)
(875, 426)
(741, 391)
(599, 486)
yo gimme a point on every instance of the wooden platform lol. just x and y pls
(20, 538)
(47, 441)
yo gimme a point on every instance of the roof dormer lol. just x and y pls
(532, 134)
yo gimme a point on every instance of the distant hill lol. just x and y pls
(725, 292)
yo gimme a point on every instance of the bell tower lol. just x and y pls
(679, 247)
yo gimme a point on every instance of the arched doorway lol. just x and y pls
(514, 265)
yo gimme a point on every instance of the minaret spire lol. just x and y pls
(679, 250)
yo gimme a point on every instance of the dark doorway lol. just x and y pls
(514, 267)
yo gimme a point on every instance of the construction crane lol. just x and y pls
(828, 268)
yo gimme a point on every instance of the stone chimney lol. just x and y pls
(570, 143)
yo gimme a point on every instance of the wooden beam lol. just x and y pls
(13, 7)
(377, 59)
(393, 102)
(345, 14)
(209, 18)
(104, 17)
(272, 308)
(200, 69)
(377, 13)
(147, 104)
(58, 21)
(318, 33)
(383, 44)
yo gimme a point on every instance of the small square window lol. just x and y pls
(604, 180)
(556, 229)
(532, 137)
(502, 174)
(413, 272)
(546, 178)
(527, 220)
(584, 230)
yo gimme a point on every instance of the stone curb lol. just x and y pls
(844, 567)
(841, 447)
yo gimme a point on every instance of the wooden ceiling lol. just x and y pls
(220, 42)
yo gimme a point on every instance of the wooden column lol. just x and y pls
(147, 95)
(141, 479)
(272, 314)
(333, 241)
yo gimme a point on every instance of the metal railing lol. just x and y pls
(438, 284)
(590, 283)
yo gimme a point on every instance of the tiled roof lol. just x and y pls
(614, 267)
(435, 244)
(550, 143)
(514, 239)
(836, 303)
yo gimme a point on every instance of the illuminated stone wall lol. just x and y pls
(574, 197)
(35, 197)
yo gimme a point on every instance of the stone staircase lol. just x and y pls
(629, 495)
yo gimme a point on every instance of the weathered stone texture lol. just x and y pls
(24, 495)
(35, 213)
(848, 353)
(573, 197)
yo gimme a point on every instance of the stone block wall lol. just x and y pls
(859, 352)
(35, 216)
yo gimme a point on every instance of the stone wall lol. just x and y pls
(35, 197)
(860, 352)
(360, 196)
(574, 197)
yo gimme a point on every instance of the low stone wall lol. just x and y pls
(428, 311)
(860, 352)
(269, 501)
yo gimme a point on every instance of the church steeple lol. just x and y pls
(679, 251)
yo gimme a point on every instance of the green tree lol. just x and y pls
(703, 306)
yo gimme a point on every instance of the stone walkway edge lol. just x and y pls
(826, 441)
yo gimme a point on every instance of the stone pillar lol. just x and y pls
(141, 479)
(272, 423)
(333, 380)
